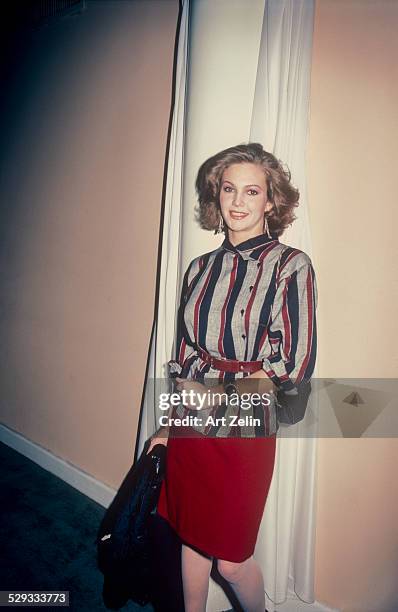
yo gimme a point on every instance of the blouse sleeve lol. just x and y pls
(184, 348)
(290, 352)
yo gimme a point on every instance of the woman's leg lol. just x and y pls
(246, 579)
(196, 570)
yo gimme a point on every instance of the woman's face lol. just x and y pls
(243, 200)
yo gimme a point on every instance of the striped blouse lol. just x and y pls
(253, 301)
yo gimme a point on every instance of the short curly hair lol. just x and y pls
(280, 191)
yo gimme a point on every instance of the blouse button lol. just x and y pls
(242, 311)
(243, 336)
(251, 287)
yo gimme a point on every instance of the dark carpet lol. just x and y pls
(47, 535)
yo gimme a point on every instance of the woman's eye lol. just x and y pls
(227, 188)
(253, 192)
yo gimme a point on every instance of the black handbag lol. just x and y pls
(124, 544)
(291, 409)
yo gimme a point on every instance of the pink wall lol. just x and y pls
(352, 172)
(87, 121)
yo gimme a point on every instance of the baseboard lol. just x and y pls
(297, 605)
(77, 478)
(293, 604)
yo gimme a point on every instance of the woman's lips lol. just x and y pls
(237, 216)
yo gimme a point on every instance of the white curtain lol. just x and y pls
(163, 331)
(286, 543)
(247, 66)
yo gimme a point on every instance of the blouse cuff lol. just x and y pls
(280, 378)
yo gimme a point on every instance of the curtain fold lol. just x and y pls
(281, 101)
(236, 84)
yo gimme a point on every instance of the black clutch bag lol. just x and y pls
(123, 539)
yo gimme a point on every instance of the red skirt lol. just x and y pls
(214, 491)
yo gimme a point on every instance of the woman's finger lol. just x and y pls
(180, 383)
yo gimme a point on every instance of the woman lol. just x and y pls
(246, 323)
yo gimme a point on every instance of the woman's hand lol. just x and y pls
(159, 437)
(197, 395)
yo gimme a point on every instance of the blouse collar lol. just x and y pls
(250, 248)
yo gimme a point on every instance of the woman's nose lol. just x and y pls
(238, 199)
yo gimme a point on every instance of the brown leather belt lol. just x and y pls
(230, 365)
